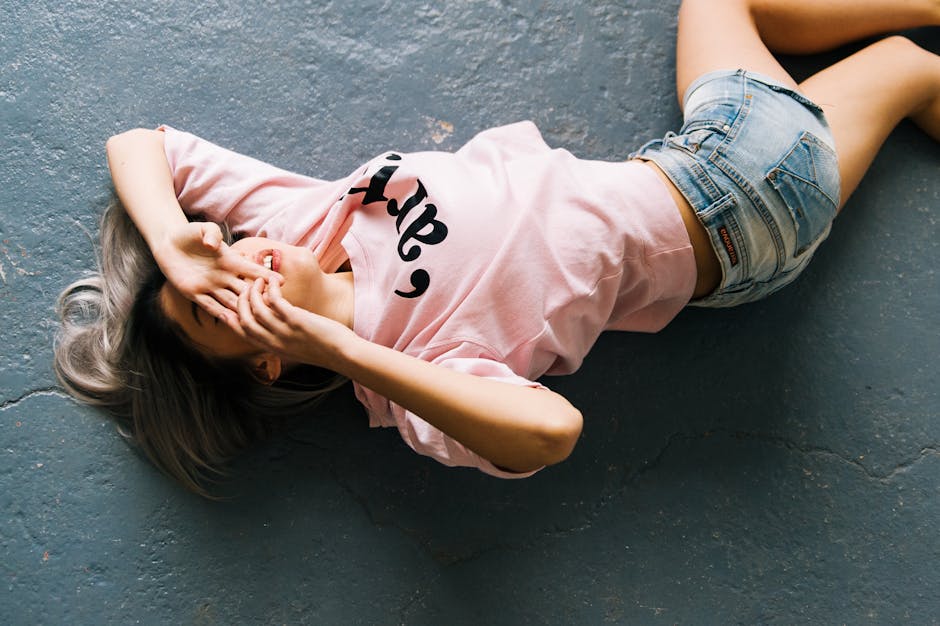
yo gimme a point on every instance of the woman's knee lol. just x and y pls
(920, 66)
(923, 83)
(900, 45)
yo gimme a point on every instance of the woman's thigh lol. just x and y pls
(721, 36)
(867, 94)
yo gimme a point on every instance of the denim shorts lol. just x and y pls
(756, 161)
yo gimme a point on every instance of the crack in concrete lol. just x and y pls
(416, 537)
(630, 477)
(422, 543)
(789, 444)
(459, 557)
(334, 473)
(907, 465)
(360, 500)
(44, 391)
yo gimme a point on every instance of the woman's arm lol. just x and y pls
(191, 255)
(144, 183)
(513, 427)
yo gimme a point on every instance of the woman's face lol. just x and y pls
(297, 265)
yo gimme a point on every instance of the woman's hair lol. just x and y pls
(117, 349)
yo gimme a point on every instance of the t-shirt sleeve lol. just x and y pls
(224, 186)
(504, 143)
(428, 440)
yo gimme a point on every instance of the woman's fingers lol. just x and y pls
(247, 319)
(258, 308)
(227, 298)
(226, 291)
(231, 318)
(257, 320)
(263, 313)
(234, 323)
(277, 300)
(211, 306)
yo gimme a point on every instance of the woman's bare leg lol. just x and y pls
(864, 96)
(808, 27)
(867, 94)
(732, 34)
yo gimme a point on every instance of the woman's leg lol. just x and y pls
(864, 96)
(732, 34)
(811, 26)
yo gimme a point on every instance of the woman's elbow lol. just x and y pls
(560, 435)
(550, 441)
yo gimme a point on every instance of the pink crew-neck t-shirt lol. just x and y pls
(505, 259)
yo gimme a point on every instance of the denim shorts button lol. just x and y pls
(726, 128)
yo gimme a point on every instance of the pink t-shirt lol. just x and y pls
(505, 259)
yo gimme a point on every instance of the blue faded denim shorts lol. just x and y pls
(756, 161)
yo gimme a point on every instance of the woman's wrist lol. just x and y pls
(163, 243)
(348, 352)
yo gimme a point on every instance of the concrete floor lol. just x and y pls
(776, 463)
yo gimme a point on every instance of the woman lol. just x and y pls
(443, 285)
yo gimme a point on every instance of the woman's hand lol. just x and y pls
(204, 269)
(269, 320)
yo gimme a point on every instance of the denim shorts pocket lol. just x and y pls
(807, 179)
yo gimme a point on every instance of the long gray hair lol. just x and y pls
(116, 349)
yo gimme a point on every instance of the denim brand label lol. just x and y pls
(728, 244)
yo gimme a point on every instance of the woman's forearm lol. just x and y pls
(144, 183)
(514, 427)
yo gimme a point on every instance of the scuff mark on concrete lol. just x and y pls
(439, 129)
(12, 261)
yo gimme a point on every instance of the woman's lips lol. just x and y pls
(275, 259)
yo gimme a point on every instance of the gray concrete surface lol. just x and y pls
(778, 463)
